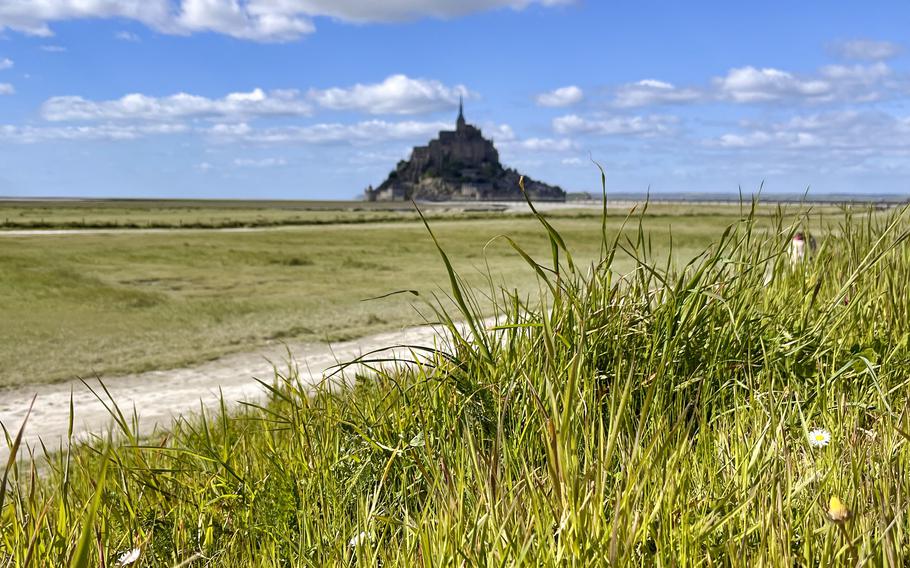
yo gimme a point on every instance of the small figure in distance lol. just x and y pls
(800, 248)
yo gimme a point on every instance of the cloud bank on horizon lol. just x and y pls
(322, 114)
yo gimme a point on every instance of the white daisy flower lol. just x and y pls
(819, 438)
(128, 557)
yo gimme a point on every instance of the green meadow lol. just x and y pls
(107, 304)
(239, 214)
(642, 400)
(205, 214)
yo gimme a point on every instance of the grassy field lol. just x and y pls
(152, 214)
(77, 305)
(665, 417)
(207, 214)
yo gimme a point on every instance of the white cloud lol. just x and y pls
(260, 20)
(541, 144)
(548, 144)
(35, 134)
(127, 36)
(654, 84)
(852, 76)
(32, 17)
(749, 85)
(263, 163)
(572, 161)
(402, 10)
(850, 131)
(860, 73)
(383, 156)
(365, 132)
(7, 89)
(562, 97)
(613, 125)
(53, 48)
(652, 92)
(256, 103)
(762, 138)
(833, 83)
(397, 94)
(866, 49)
(6, 63)
(498, 132)
(237, 130)
(862, 83)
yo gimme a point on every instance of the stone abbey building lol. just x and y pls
(459, 165)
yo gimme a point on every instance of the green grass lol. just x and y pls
(227, 214)
(655, 416)
(77, 305)
(207, 214)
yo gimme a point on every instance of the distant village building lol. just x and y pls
(459, 165)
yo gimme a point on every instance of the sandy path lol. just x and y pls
(159, 396)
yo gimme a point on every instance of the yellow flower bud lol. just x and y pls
(837, 511)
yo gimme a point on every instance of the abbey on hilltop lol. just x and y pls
(459, 165)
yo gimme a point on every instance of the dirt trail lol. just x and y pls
(159, 396)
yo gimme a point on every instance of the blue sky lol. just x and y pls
(319, 98)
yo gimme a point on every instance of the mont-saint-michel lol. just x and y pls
(459, 165)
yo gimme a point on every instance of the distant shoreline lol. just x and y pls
(636, 197)
(819, 198)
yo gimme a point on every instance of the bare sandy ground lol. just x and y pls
(160, 396)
